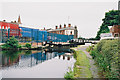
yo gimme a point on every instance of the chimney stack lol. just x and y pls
(14, 21)
(4, 20)
(11, 21)
(64, 25)
(56, 27)
(69, 25)
(75, 27)
(60, 26)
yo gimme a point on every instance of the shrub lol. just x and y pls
(90, 48)
(28, 45)
(92, 53)
(74, 54)
(106, 54)
(69, 75)
(11, 43)
(19, 46)
(100, 44)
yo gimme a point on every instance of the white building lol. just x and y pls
(106, 36)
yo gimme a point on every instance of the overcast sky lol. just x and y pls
(87, 16)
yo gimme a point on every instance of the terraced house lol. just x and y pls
(66, 30)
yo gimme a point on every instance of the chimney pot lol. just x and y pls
(4, 20)
(64, 25)
(44, 28)
(75, 27)
(11, 21)
(60, 26)
(69, 25)
(56, 27)
(14, 21)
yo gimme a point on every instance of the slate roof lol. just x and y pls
(67, 28)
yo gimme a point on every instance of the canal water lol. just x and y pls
(35, 64)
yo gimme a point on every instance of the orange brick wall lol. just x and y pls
(33, 44)
(58, 32)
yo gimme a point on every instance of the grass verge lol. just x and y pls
(81, 66)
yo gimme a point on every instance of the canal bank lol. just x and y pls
(93, 68)
(84, 66)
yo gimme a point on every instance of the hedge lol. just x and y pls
(107, 55)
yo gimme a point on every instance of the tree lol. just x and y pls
(111, 18)
(103, 29)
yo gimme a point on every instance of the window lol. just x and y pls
(116, 35)
(71, 32)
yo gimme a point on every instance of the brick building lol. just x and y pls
(11, 27)
(115, 30)
(66, 30)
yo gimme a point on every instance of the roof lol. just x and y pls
(67, 28)
(9, 22)
(32, 28)
(25, 26)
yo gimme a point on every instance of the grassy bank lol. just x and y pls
(81, 66)
(107, 56)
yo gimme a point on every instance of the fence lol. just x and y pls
(59, 37)
(3, 35)
(32, 35)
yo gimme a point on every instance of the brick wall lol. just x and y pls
(115, 30)
(33, 44)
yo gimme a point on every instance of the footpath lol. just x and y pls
(85, 66)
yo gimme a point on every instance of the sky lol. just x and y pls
(87, 15)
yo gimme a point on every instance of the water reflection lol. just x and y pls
(10, 58)
(28, 58)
